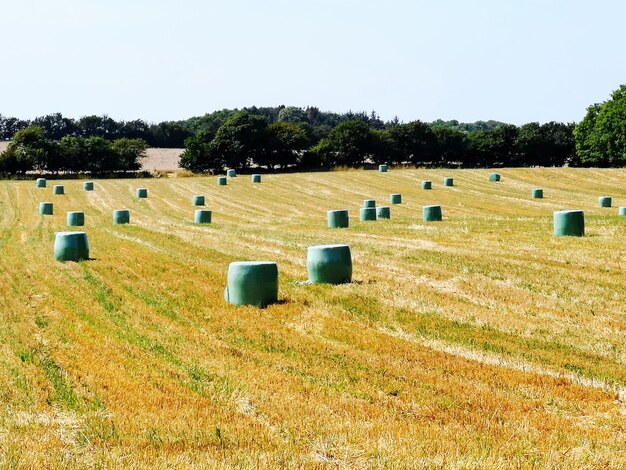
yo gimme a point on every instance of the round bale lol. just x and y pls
(46, 208)
(432, 213)
(427, 185)
(231, 173)
(202, 216)
(256, 178)
(75, 218)
(537, 193)
(222, 181)
(605, 201)
(383, 168)
(141, 193)
(338, 219)
(383, 212)
(58, 189)
(367, 214)
(569, 223)
(621, 210)
(448, 181)
(41, 182)
(329, 264)
(495, 177)
(252, 283)
(395, 198)
(198, 201)
(121, 217)
(88, 185)
(71, 246)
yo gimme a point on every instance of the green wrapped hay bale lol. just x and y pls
(252, 283)
(448, 181)
(494, 177)
(338, 219)
(369, 203)
(46, 208)
(621, 210)
(41, 182)
(141, 193)
(383, 212)
(202, 216)
(395, 198)
(367, 214)
(605, 201)
(121, 217)
(222, 181)
(75, 218)
(198, 200)
(88, 185)
(432, 213)
(569, 223)
(256, 178)
(427, 185)
(71, 246)
(383, 168)
(329, 264)
(537, 193)
(231, 173)
(58, 189)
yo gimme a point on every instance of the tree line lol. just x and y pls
(31, 150)
(290, 137)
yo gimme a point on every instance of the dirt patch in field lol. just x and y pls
(161, 159)
(3, 145)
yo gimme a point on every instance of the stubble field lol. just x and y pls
(479, 341)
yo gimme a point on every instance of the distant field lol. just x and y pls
(161, 160)
(3, 145)
(478, 342)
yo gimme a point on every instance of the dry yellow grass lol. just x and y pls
(478, 342)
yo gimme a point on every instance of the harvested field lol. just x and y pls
(161, 159)
(481, 341)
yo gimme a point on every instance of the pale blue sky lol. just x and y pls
(514, 61)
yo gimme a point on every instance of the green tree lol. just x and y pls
(128, 153)
(198, 156)
(240, 141)
(349, 144)
(601, 136)
(286, 140)
(414, 142)
(29, 150)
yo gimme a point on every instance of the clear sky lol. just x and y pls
(510, 60)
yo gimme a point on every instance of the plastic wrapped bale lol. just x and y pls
(256, 178)
(58, 189)
(427, 185)
(88, 185)
(432, 213)
(537, 193)
(198, 200)
(369, 203)
(252, 283)
(222, 181)
(338, 219)
(448, 181)
(383, 212)
(46, 208)
(231, 173)
(605, 201)
(75, 218)
(494, 177)
(141, 193)
(71, 246)
(41, 182)
(569, 223)
(395, 199)
(367, 214)
(329, 264)
(202, 216)
(383, 168)
(121, 217)
(621, 210)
